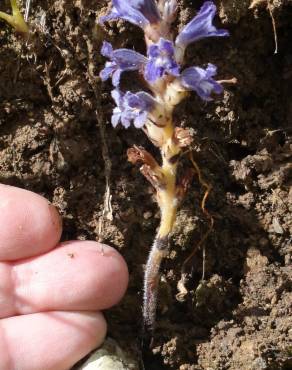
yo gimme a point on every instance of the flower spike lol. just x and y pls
(200, 27)
(153, 113)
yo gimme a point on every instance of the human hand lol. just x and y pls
(50, 293)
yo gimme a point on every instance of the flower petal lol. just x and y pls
(106, 73)
(139, 12)
(116, 76)
(147, 7)
(126, 120)
(106, 49)
(166, 46)
(120, 60)
(140, 120)
(161, 61)
(211, 70)
(112, 15)
(200, 26)
(132, 108)
(115, 119)
(128, 59)
(201, 81)
(151, 72)
(153, 51)
(117, 96)
(174, 70)
(141, 100)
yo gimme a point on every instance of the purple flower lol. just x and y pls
(161, 61)
(131, 108)
(200, 27)
(201, 81)
(120, 60)
(139, 12)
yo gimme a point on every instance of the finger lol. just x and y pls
(80, 275)
(50, 340)
(29, 225)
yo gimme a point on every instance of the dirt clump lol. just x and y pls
(54, 116)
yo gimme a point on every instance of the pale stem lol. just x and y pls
(167, 200)
(16, 19)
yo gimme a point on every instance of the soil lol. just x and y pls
(56, 140)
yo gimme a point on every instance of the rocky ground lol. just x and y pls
(55, 139)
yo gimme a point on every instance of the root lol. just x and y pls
(256, 3)
(181, 284)
(151, 283)
(274, 27)
(107, 213)
(27, 10)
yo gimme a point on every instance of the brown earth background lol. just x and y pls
(54, 132)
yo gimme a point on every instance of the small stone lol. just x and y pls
(263, 242)
(277, 227)
(147, 215)
(110, 357)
